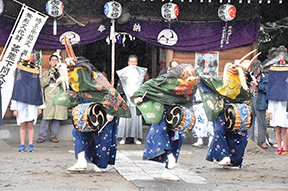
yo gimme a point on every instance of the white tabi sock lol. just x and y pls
(167, 175)
(171, 161)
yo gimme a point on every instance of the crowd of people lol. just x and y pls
(102, 113)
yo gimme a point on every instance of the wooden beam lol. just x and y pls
(169, 56)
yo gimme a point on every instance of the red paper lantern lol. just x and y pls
(227, 12)
(169, 11)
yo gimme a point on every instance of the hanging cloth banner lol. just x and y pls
(20, 42)
(181, 36)
(193, 36)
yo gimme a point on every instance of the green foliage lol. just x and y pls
(272, 35)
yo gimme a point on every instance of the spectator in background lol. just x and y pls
(202, 127)
(52, 113)
(277, 103)
(130, 79)
(172, 64)
(260, 104)
(27, 99)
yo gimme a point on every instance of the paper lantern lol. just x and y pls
(169, 11)
(227, 12)
(54, 8)
(1, 6)
(113, 10)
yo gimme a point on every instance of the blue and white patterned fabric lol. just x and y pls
(243, 111)
(227, 143)
(100, 148)
(79, 121)
(202, 127)
(158, 140)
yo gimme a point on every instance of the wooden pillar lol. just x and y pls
(254, 46)
(169, 56)
(154, 72)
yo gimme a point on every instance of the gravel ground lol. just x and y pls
(46, 169)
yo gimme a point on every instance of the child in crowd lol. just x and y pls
(27, 99)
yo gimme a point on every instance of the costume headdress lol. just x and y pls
(63, 67)
(234, 77)
(69, 49)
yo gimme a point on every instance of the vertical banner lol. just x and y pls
(207, 63)
(19, 44)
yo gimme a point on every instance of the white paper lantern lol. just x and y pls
(113, 10)
(227, 12)
(54, 8)
(169, 11)
(1, 6)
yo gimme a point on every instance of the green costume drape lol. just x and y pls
(160, 91)
(97, 89)
(213, 101)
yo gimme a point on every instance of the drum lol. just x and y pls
(238, 117)
(180, 118)
(88, 117)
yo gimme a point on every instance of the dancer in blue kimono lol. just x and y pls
(162, 145)
(228, 145)
(97, 148)
(88, 85)
(177, 87)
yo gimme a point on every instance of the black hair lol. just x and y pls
(53, 55)
(170, 63)
(132, 56)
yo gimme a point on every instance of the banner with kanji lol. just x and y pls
(19, 44)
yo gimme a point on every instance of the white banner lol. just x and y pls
(20, 42)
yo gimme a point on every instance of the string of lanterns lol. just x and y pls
(229, 1)
(113, 10)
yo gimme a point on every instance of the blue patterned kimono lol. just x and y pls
(158, 140)
(100, 148)
(227, 143)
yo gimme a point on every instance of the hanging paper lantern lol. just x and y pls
(227, 12)
(1, 6)
(169, 11)
(113, 10)
(54, 8)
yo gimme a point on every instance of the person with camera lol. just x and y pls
(52, 113)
